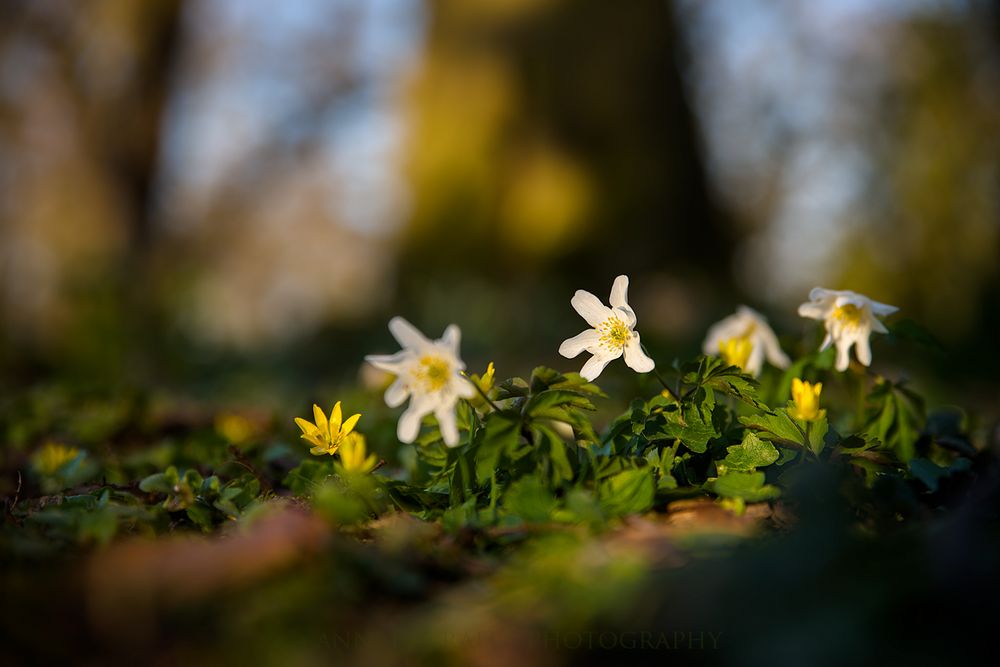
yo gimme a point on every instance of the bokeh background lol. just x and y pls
(232, 196)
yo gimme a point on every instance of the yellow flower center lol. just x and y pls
(848, 315)
(614, 333)
(433, 372)
(736, 351)
(806, 399)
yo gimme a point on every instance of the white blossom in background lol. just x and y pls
(429, 374)
(745, 339)
(849, 319)
(613, 334)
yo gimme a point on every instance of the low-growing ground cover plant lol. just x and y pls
(571, 522)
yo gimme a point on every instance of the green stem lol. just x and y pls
(861, 401)
(493, 493)
(671, 392)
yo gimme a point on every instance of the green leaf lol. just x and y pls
(307, 478)
(529, 499)
(553, 448)
(749, 486)
(541, 405)
(543, 378)
(817, 434)
(775, 426)
(714, 373)
(161, 482)
(931, 474)
(500, 436)
(752, 453)
(201, 516)
(628, 492)
(693, 424)
(896, 419)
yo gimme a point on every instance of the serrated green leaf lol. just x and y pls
(693, 424)
(753, 452)
(716, 374)
(539, 405)
(775, 426)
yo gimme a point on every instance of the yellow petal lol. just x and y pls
(307, 426)
(313, 439)
(349, 424)
(322, 425)
(336, 419)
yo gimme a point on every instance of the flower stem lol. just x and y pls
(669, 390)
(861, 401)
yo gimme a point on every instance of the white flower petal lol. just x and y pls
(390, 363)
(822, 294)
(396, 394)
(772, 349)
(463, 388)
(408, 427)
(619, 293)
(445, 415)
(585, 340)
(826, 342)
(851, 299)
(626, 314)
(863, 349)
(590, 308)
(883, 309)
(843, 354)
(407, 335)
(877, 326)
(596, 364)
(814, 310)
(452, 338)
(755, 362)
(636, 358)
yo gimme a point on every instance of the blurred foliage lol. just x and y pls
(447, 156)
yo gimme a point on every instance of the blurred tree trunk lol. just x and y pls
(84, 131)
(558, 134)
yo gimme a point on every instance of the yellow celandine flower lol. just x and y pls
(354, 455)
(806, 399)
(486, 381)
(327, 435)
(53, 456)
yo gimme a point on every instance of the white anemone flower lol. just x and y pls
(613, 333)
(429, 374)
(745, 339)
(849, 319)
